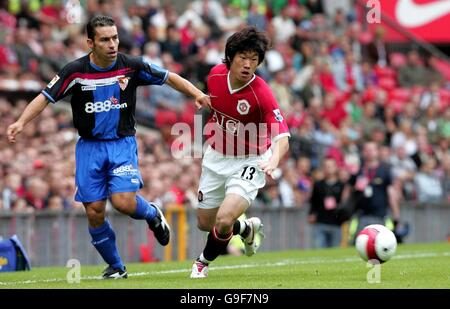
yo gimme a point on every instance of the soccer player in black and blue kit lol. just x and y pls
(103, 89)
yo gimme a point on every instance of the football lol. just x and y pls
(376, 243)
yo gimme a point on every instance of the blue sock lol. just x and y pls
(104, 240)
(144, 210)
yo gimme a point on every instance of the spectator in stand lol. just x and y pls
(212, 14)
(406, 137)
(166, 98)
(289, 194)
(283, 25)
(152, 52)
(281, 90)
(9, 61)
(391, 121)
(333, 111)
(369, 120)
(36, 193)
(327, 78)
(372, 191)
(339, 23)
(313, 89)
(55, 203)
(445, 163)
(377, 51)
(325, 198)
(413, 73)
(13, 189)
(444, 123)
(172, 44)
(428, 184)
(403, 172)
(270, 197)
(256, 15)
(433, 75)
(304, 180)
(21, 206)
(368, 75)
(348, 74)
(429, 121)
(315, 6)
(424, 149)
(442, 149)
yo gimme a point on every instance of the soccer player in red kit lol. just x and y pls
(247, 137)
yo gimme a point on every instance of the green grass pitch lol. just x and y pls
(413, 266)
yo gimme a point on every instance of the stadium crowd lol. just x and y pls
(337, 85)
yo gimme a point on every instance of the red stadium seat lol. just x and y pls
(445, 97)
(369, 94)
(417, 90)
(397, 105)
(387, 83)
(397, 60)
(384, 72)
(400, 94)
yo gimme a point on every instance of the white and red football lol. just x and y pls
(376, 243)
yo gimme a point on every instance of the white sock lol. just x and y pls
(202, 259)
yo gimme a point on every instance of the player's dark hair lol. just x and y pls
(248, 39)
(98, 21)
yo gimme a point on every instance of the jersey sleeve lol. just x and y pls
(272, 116)
(151, 74)
(62, 84)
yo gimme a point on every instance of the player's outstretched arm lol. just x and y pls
(183, 85)
(31, 111)
(279, 148)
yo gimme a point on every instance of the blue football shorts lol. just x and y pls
(106, 167)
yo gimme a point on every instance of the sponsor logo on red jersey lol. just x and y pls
(227, 123)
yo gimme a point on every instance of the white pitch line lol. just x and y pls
(285, 262)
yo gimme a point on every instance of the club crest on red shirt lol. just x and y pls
(243, 107)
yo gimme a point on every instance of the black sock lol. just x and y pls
(237, 229)
(215, 244)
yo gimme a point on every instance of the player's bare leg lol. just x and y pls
(206, 218)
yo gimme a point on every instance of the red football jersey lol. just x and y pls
(243, 121)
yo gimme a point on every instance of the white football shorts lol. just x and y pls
(222, 175)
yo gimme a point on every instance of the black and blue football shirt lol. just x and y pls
(104, 99)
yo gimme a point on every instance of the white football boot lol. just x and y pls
(252, 242)
(199, 270)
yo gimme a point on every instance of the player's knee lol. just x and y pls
(123, 203)
(123, 207)
(204, 225)
(96, 218)
(224, 223)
